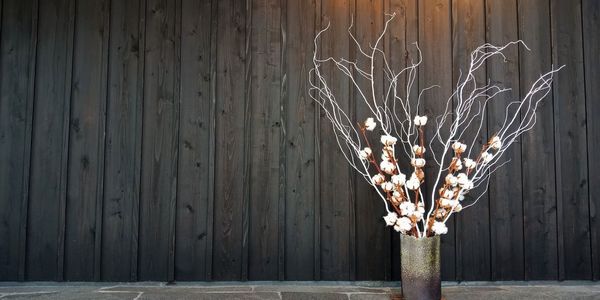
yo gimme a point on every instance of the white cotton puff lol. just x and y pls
(370, 124)
(391, 219)
(469, 163)
(496, 143)
(387, 167)
(413, 184)
(388, 140)
(451, 180)
(399, 179)
(403, 225)
(486, 157)
(377, 179)
(418, 150)
(418, 162)
(407, 208)
(439, 228)
(420, 120)
(387, 186)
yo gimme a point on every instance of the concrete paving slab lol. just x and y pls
(291, 290)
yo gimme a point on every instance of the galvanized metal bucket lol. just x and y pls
(420, 258)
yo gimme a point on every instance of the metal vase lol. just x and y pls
(420, 260)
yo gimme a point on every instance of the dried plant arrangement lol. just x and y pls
(394, 133)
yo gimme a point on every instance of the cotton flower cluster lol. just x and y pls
(420, 120)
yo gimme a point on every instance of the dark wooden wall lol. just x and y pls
(175, 140)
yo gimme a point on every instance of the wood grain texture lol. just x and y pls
(300, 190)
(123, 144)
(374, 263)
(230, 176)
(570, 143)
(591, 44)
(86, 140)
(16, 53)
(539, 181)
(506, 202)
(404, 31)
(176, 140)
(436, 43)
(194, 141)
(45, 235)
(159, 149)
(473, 224)
(336, 192)
(266, 128)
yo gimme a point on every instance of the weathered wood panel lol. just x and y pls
(194, 142)
(404, 32)
(86, 140)
(17, 58)
(176, 140)
(435, 40)
(264, 87)
(336, 192)
(159, 148)
(47, 187)
(591, 44)
(374, 262)
(574, 255)
(473, 224)
(506, 202)
(539, 185)
(123, 142)
(230, 166)
(300, 192)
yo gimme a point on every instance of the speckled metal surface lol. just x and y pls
(420, 260)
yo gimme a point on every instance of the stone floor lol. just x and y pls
(293, 290)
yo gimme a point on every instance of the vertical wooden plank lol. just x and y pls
(48, 156)
(571, 146)
(212, 143)
(86, 140)
(591, 44)
(372, 262)
(506, 202)
(537, 150)
(265, 123)
(194, 141)
(336, 193)
(230, 121)
(159, 148)
(473, 224)
(16, 53)
(435, 41)
(403, 33)
(123, 139)
(300, 141)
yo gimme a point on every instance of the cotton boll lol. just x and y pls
(470, 164)
(459, 147)
(403, 225)
(378, 179)
(370, 124)
(462, 178)
(445, 193)
(448, 202)
(387, 186)
(418, 150)
(451, 180)
(399, 179)
(486, 157)
(391, 219)
(420, 120)
(418, 215)
(439, 228)
(385, 155)
(496, 143)
(467, 185)
(413, 183)
(388, 140)
(387, 167)
(365, 153)
(458, 208)
(407, 208)
(457, 164)
(418, 162)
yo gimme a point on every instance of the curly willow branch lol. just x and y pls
(461, 121)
